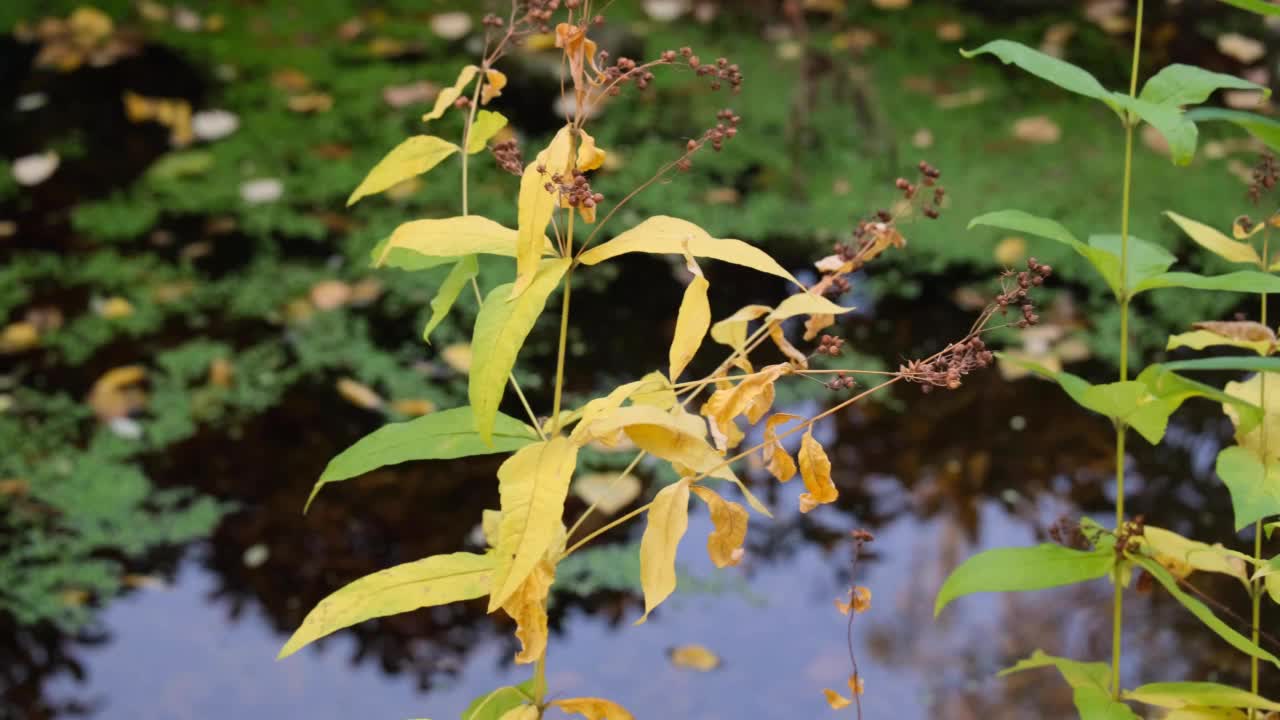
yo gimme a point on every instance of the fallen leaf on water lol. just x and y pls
(358, 394)
(1038, 129)
(609, 492)
(116, 393)
(695, 657)
(1241, 47)
(19, 336)
(30, 170)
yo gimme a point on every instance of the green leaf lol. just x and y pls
(1180, 132)
(1215, 241)
(1176, 695)
(438, 436)
(409, 159)
(1090, 683)
(1146, 260)
(1255, 489)
(1240, 363)
(462, 273)
(501, 329)
(1019, 569)
(437, 580)
(1263, 128)
(493, 705)
(1046, 67)
(1204, 614)
(1106, 263)
(1201, 339)
(1262, 7)
(1244, 281)
(487, 124)
(1179, 85)
(1095, 704)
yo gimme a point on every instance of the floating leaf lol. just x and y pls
(668, 518)
(671, 236)
(1216, 242)
(487, 125)
(532, 485)
(1021, 569)
(815, 470)
(593, 708)
(409, 159)
(536, 206)
(461, 273)
(501, 328)
(443, 435)
(729, 519)
(695, 657)
(450, 94)
(437, 580)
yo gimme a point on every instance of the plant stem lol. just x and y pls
(1117, 610)
(540, 680)
(1257, 588)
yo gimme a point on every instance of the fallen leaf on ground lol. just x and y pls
(1038, 129)
(116, 393)
(359, 394)
(30, 170)
(1241, 48)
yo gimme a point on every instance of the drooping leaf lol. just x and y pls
(742, 397)
(691, 326)
(437, 436)
(1261, 7)
(1203, 613)
(729, 519)
(1090, 683)
(1254, 488)
(664, 235)
(1179, 132)
(461, 274)
(593, 708)
(668, 518)
(1106, 263)
(409, 159)
(532, 485)
(1244, 281)
(536, 206)
(451, 238)
(493, 705)
(1176, 695)
(501, 328)
(806, 303)
(527, 605)
(437, 580)
(1044, 66)
(1020, 569)
(732, 331)
(448, 95)
(776, 458)
(1146, 260)
(1216, 242)
(487, 124)
(495, 81)
(1178, 85)
(815, 470)
(1183, 556)
(1261, 127)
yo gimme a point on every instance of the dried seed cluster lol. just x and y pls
(1265, 174)
(1018, 294)
(726, 128)
(949, 368)
(831, 345)
(575, 190)
(1066, 531)
(931, 206)
(507, 155)
(721, 71)
(842, 382)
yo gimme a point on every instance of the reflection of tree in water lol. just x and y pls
(31, 656)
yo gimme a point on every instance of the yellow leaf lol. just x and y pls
(695, 657)
(1181, 555)
(528, 607)
(816, 324)
(495, 81)
(1201, 339)
(532, 485)
(491, 525)
(597, 408)
(855, 685)
(437, 580)
(730, 519)
(449, 94)
(732, 331)
(815, 469)
(487, 125)
(779, 338)
(501, 328)
(668, 518)
(691, 326)
(521, 712)
(409, 159)
(725, 405)
(859, 601)
(836, 700)
(671, 236)
(453, 237)
(19, 336)
(776, 457)
(536, 207)
(655, 389)
(1251, 391)
(593, 708)
(807, 304)
(590, 157)
(115, 394)
(359, 394)
(1216, 242)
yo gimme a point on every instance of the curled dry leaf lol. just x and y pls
(593, 708)
(815, 469)
(779, 338)
(695, 657)
(116, 393)
(495, 81)
(835, 699)
(724, 544)
(528, 607)
(1239, 330)
(359, 394)
(776, 458)
(859, 601)
(753, 393)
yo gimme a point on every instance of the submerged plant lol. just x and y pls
(693, 425)
(1131, 266)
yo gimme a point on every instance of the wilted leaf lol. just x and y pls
(593, 708)
(437, 580)
(779, 339)
(449, 94)
(776, 458)
(1182, 556)
(729, 519)
(409, 159)
(727, 404)
(695, 657)
(835, 699)
(527, 605)
(815, 470)
(668, 518)
(495, 81)
(501, 328)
